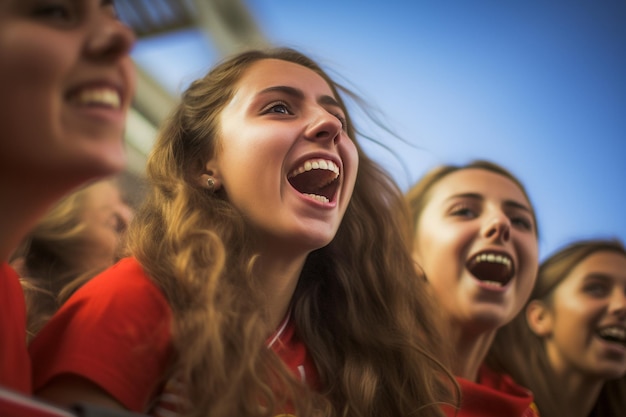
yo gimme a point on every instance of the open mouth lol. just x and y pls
(316, 178)
(613, 334)
(492, 268)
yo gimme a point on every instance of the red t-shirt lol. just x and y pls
(494, 395)
(293, 352)
(114, 331)
(286, 344)
(15, 367)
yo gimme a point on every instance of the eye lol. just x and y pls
(521, 222)
(597, 289)
(342, 119)
(463, 211)
(120, 224)
(51, 10)
(278, 107)
(117, 223)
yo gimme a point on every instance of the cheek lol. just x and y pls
(528, 250)
(580, 311)
(32, 56)
(350, 156)
(437, 253)
(576, 319)
(568, 333)
(248, 178)
(131, 70)
(443, 241)
(32, 76)
(530, 247)
(105, 241)
(99, 234)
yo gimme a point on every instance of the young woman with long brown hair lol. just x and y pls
(569, 343)
(271, 268)
(476, 240)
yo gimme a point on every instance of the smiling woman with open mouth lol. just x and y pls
(476, 240)
(270, 269)
(569, 344)
(66, 83)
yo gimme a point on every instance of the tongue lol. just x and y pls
(311, 182)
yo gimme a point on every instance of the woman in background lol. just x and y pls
(569, 344)
(476, 241)
(67, 81)
(78, 238)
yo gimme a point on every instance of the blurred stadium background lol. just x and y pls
(539, 87)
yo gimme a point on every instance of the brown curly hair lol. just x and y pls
(360, 306)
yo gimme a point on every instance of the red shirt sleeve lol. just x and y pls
(14, 360)
(114, 331)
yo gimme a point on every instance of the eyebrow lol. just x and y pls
(600, 276)
(298, 94)
(508, 203)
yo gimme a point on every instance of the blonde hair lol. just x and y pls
(49, 259)
(521, 353)
(360, 306)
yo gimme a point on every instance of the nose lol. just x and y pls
(324, 126)
(109, 38)
(498, 228)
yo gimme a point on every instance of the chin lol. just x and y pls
(610, 371)
(609, 374)
(104, 161)
(316, 244)
(489, 319)
(314, 236)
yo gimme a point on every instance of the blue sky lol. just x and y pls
(539, 88)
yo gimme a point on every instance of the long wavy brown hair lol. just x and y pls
(521, 353)
(359, 305)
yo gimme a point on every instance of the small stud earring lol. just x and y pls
(210, 182)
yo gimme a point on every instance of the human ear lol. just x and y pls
(210, 178)
(539, 318)
(416, 256)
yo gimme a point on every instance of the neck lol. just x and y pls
(18, 214)
(279, 275)
(469, 351)
(23, 204)
(582, 392)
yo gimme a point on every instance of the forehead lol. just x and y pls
(607, 263)
(488, 184)
(274, 72)
(103, 192)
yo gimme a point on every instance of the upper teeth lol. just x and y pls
(106, 96)
(316, 164)
(492, 257)
(618, 333)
